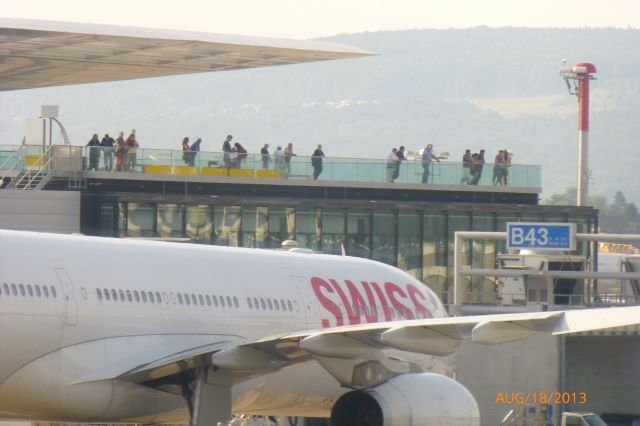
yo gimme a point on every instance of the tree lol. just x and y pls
(617, 217)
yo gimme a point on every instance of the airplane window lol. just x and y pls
(151, 299)
(165, 298)
(186, 299)
(208, 300)
(194, 299)
(255, 303)
(22, 292)
(53, 292)
(14, 289)
(121, 295)
(249, 303)
(114, 295)
(222, 301)
(264, 306)
(277, 305)
(228, 301)
(172, 297)
(158, 298)
(201, 299)
(6, 289)
(30, 290)
(282, 305)
(289, 305)
(83, 292)
(136, 295)
(270, 304)
(295, 306)
(38, 293)
(144, 296)
(129, 296)
(235, 301)
(179, 298)
(215, 301)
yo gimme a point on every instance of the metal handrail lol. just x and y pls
(15, 156)
(34, 170)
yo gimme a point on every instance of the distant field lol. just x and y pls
(561, 105)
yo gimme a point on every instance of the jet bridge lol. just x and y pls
(537, 279)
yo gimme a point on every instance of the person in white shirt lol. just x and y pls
(278, 159)
(392, 162)
(427, 158)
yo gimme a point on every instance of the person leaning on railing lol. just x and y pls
(121, 151)
(316, 162)
(288, 153)
(264, 152)
(195, 148)
(107, 145)
(392, 162)
(94, 152)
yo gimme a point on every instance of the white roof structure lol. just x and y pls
(46, 53)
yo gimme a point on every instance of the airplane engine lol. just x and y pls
(408, 400)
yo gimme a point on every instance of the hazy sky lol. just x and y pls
(316, 18)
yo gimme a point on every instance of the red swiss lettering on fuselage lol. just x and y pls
(343, 300)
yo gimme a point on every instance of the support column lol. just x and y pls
(211, 398)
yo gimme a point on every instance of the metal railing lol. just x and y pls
(11, 157)
(34, 177)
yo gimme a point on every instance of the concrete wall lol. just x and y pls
(46, 211)
(606, 369)
(530, 365)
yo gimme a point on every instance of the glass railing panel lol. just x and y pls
(165, 161)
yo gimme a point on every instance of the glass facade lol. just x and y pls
(359, 233)
(419, 241)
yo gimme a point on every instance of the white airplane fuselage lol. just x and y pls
(76, 312)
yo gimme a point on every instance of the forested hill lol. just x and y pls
(473, 88)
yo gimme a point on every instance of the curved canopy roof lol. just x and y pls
(45, 53)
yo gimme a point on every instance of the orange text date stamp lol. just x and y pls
(541, 397)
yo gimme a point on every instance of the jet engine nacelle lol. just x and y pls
(408, 400)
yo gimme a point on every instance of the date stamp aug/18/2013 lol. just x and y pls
(541, 397)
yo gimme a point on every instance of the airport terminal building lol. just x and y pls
(404, 223)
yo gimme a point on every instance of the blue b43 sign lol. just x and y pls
(541, 236)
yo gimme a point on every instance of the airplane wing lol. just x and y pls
(344, 350)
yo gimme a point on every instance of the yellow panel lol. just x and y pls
(269, 174)
(32, 160)
(241, 173)
(157, 169)
(185, 170)
(213, 171)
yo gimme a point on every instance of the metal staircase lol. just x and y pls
(23, 178)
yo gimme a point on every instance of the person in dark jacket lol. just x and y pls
(264, 151)
(477, 166)
(242, 154)
(94, 152)
(195, 148)
(316, 162)
(466, 167)
(108, 145)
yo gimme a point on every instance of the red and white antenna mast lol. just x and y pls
(577, 79)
